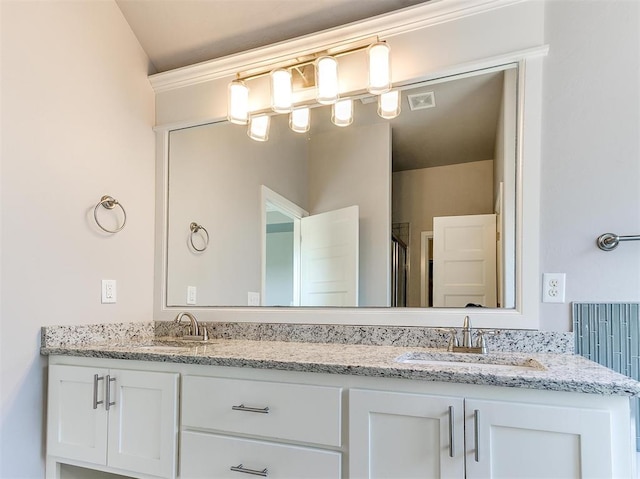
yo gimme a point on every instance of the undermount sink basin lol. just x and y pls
(466, 360)
(164, 349)
(167, 346)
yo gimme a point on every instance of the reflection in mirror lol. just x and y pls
(433, 192)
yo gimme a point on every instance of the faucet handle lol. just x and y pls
(480, 339)
(453, 338)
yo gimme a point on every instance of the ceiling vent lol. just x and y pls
(420, 101)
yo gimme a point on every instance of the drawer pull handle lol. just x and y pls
(242, 407)
(253, 472)
(96, 378)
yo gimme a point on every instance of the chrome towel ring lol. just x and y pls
(109, 203)
(195, 228)
(609, 241)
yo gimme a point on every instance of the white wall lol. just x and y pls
(336, 157)
(77, 111)
(591, 151)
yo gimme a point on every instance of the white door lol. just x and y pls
(464, 261)
(76, 423)
(143, 422)
(329, 258)
(402, 435)
(510, 441)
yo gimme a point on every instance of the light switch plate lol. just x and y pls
(192, 292)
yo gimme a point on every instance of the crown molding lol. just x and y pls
(384, 26)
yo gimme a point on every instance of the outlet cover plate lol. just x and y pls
(553, 287)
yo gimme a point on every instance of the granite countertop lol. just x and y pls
(534, 370)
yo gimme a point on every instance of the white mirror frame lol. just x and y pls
(171, 87)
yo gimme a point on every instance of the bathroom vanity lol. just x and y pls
(158, 407)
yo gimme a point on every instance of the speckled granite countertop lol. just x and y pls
(534, 370)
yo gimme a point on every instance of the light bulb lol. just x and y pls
(389, 104)
(299, 120)
(259, 127)
(342, 113)
(327, 80)
(281, 90)
(379, 68)
(238, 102)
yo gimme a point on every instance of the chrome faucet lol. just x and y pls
(468, 346)
(466, 332)
(196, 332)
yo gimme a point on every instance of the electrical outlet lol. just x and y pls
(108, 291)
(253, 299)
(553, 285)
(192, 292)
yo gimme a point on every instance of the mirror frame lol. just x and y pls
(529, 87)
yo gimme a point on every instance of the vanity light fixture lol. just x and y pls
(379, 68)
(389, 104)
(342, 112)
(259, 127)
(289, 80)
(281, 90)
(327, 80)
(300, 120)
(238, 102)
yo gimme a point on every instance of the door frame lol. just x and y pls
(426, 237)
(270, 197)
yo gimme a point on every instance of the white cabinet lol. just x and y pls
(121, 419)
(405, 435)
(217, 456)
(415, 435)
(235, 427)
(519, 440)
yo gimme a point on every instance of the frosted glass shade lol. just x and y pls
(389, 104)
(281, 90)
(342, 113)
(259, 127)
(238, 102)
(300, 120)
(379, 68)
(327, 80)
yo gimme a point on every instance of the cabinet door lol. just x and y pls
(218, 457)
(143, 422)
(512, 440)
(76, 425)
(405, 435)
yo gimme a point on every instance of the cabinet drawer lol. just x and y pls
(211, 456)
(279, 410)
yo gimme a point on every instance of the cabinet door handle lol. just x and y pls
(253, 472)
(107, 402)
(452, 452)
(96, 378)
(476, 433)
(242, 407)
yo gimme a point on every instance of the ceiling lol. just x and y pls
(177, 33)
(462, 126)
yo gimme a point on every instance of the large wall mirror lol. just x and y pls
(415, 212)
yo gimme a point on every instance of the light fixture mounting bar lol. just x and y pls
(302, 60)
